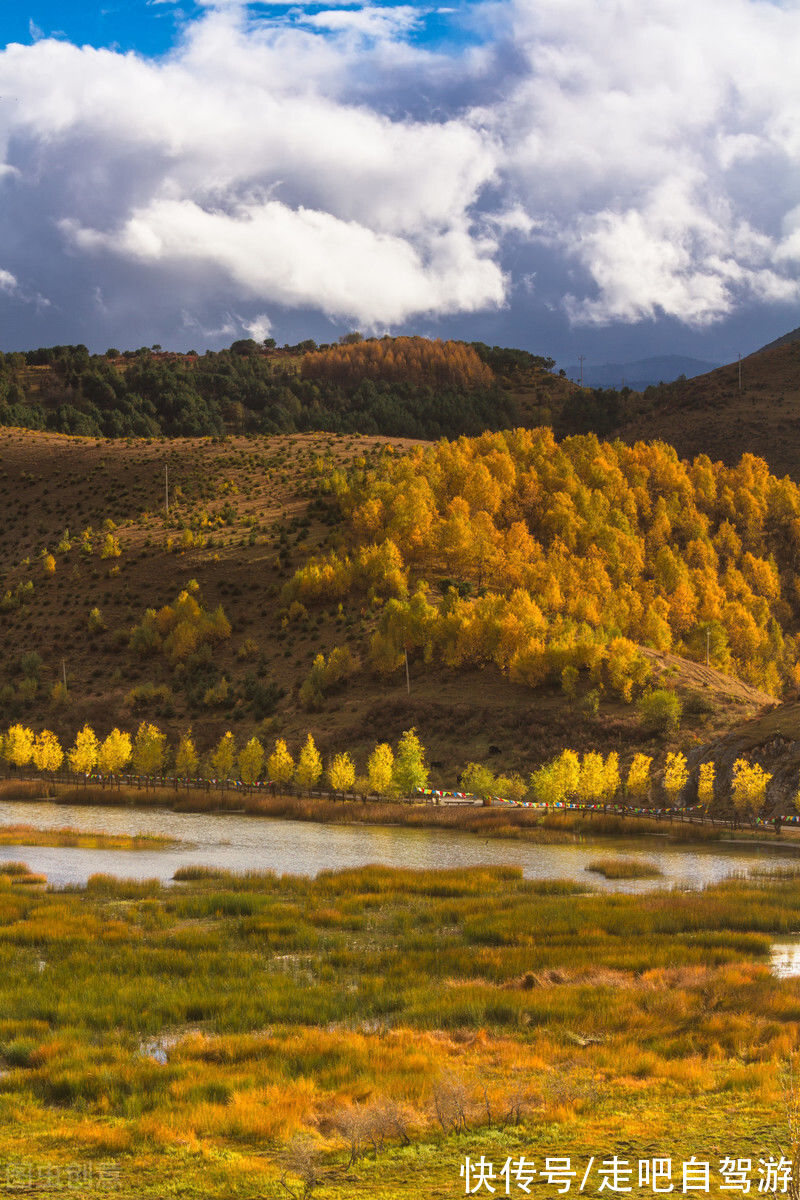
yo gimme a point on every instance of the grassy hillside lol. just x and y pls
(711, 415)
(87, 548)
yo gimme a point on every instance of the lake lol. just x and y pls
(241, 843)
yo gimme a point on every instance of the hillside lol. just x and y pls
(710, 415)
(87, 549)
(398, 387)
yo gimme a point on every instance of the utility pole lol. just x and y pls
(166, 488)
(708, 646)
(64, 674)
(581, 358)
(740, 371)
(408, 677)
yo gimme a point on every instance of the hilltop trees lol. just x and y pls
(396, 360)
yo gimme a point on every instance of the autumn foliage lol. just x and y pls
(516, 550)
(399, 360)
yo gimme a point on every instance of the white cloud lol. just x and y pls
(8, 282)
(259, 328)
(369, 22)
(317, 157)
(309, 258)
(658, 141)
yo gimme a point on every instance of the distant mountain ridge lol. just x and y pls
(645, 372)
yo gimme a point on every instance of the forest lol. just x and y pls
(397, 387)
(549, 559)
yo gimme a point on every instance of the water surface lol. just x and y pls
(238, 842)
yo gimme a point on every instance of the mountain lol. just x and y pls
(712, 415)
(785, 340)
(181, 617)
(643, 373)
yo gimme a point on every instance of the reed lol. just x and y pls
(625, 868)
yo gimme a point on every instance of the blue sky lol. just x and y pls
(152, 27)
(573, 177)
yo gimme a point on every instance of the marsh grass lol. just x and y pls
(379, 1012)
(28, 835)
(625, 868)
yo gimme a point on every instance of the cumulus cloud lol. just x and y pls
(320, 158)
(657, 141)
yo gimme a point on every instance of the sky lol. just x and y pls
(611, 178)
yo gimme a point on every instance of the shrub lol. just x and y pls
(660, 711)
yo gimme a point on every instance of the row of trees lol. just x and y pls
(594, 779)
(389, 772)
(557, 552)
(588, 779)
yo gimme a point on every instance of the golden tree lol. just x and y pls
(149, 750)
(46, 753)
(638, 782)
(115, 752)
(309, 765)
(410, 771)
(251, 760)
(223, 757)
(186, 756)
(748, 786)
(676, 775)
(592, 778)
(18, 746)
(83, 755)
(341, 773)
(705, 784)
(380, 769)
(280, 764)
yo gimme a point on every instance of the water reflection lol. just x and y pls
(785, 960)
